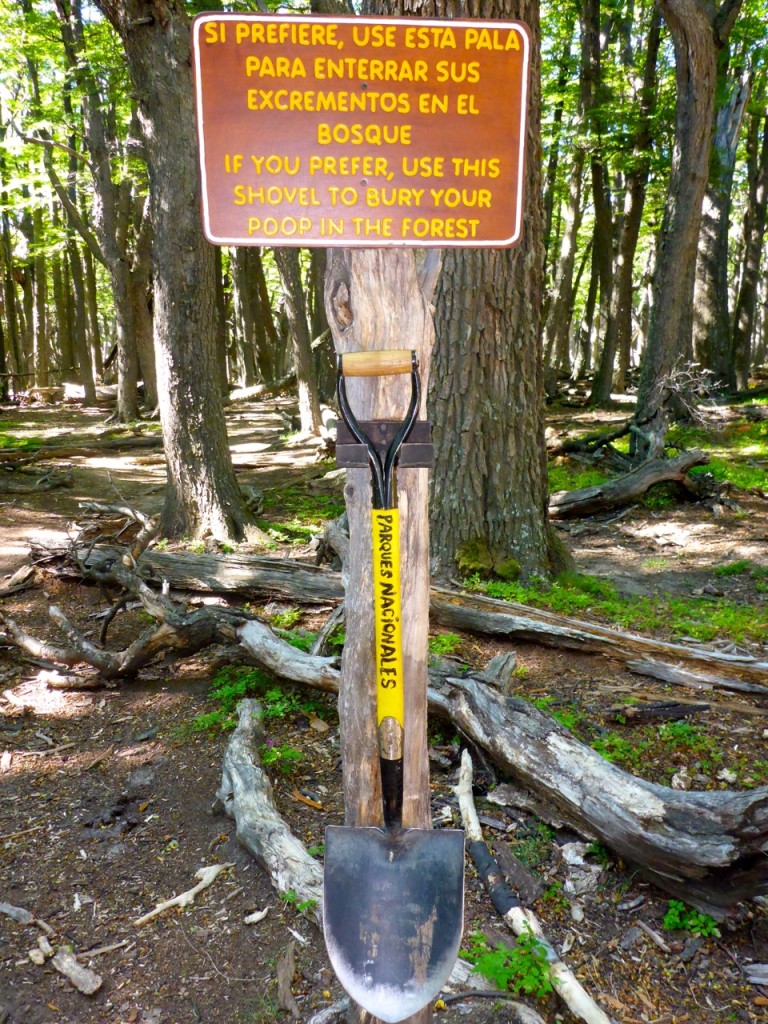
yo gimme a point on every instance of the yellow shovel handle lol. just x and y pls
(387, 614)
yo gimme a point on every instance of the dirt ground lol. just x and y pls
(107, 797)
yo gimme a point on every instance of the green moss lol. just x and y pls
(507, 569)
(474, 557)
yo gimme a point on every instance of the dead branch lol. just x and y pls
(624, 489)
(507, 904)
(246, 796)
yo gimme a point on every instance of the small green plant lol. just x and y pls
(681, 918)
(524, 968)
(444, 644)
(336, 639)
(287, 619)
(555, 896)
(290, 897)
(601, 853)
(316, 851)
(301, 639)
(534, 848)
(282, 757)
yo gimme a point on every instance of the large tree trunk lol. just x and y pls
(202, 494)
(711, 319)
(698, 35)
(745, 315)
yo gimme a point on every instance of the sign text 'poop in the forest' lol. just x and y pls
(361, 131)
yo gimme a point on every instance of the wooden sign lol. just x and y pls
(360, 131)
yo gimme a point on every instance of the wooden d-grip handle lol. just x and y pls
(376, 364)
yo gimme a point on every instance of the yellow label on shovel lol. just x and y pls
(387, 616)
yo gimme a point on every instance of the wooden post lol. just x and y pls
(376, 299)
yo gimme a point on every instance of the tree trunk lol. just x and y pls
(557, 332)
(287, 260)
(202, 495)
(251, 336)
(745, 316)
(82, 354)
(619, 329)
(40, 316)
(584, 358)
(698, 35)
(92, 311)
(143, 321)
(711, 319)
(602, 250)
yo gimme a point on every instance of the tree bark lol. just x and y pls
(619, 329)
(373, 300)
(287, 260)
(202, 496)
(711, 318)
(557, 331)
(745, 315)
(698, 34)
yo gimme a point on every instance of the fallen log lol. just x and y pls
(253, 576)
(245, 794)
(624, 489)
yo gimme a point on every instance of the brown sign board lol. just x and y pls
(345, 131)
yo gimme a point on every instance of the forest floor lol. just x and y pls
(106, 796)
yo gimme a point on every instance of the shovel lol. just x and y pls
(393, 897)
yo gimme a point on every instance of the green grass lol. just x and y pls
(564, 477)
(703, 618)
(444, 644)
(26, 443)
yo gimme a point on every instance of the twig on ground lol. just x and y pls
(510, 909)
(207, 877)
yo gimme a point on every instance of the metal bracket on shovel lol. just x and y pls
(393, 897)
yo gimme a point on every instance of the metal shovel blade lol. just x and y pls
(393, 911)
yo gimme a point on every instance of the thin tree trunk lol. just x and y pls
(40, 314)
(584, 363)
(287, 260)
(602, 251)
(82, 353)
(711, 318)
(557, 331)
(745, 315)
(92, 311)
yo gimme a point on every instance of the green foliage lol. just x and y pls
(681, 918)
(286, 620)
(523, 968)
(336, 639)
(301, 639)
(554, 894)
(234, 682)
(282, 756)
(444, 643)
(290, 897)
